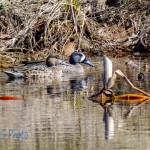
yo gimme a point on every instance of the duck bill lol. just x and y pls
(88, 63)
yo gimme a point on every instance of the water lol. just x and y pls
(58, 115)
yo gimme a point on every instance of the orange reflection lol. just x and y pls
(131, 98)
(10, 97)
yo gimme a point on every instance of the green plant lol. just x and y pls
(75, 4)
(2, 6)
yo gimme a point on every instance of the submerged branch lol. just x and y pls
(120, 74)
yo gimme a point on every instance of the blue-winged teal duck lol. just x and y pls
(53, 67)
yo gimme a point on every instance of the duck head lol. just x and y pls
(54, 60)
(78, 57)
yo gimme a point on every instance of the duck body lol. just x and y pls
(44, 72)
(53, 67)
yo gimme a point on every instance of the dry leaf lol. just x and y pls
(68, 49)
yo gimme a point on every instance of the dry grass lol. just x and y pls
(34, 29)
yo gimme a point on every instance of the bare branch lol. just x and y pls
(120, 74)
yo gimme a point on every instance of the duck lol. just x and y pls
(38, 69)
(53, 67)
(142, 76)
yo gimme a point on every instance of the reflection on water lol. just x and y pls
(109, 123)
(58, 115)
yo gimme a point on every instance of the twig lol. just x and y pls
(81, 33)
(74, 19)
(120, 74)
(129, 113)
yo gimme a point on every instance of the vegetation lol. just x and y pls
(30, 30)
(2, 6)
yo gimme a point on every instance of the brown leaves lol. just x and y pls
(68, 49)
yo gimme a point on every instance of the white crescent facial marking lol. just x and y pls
(82, 58)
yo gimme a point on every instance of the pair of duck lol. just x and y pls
(53, 67)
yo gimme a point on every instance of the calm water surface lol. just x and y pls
(57, 115)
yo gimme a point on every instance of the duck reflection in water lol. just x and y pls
(80, 84)
(73, 85)
(109, 122)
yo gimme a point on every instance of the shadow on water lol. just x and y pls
(58, 114)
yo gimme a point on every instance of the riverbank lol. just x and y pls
(31, 30)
